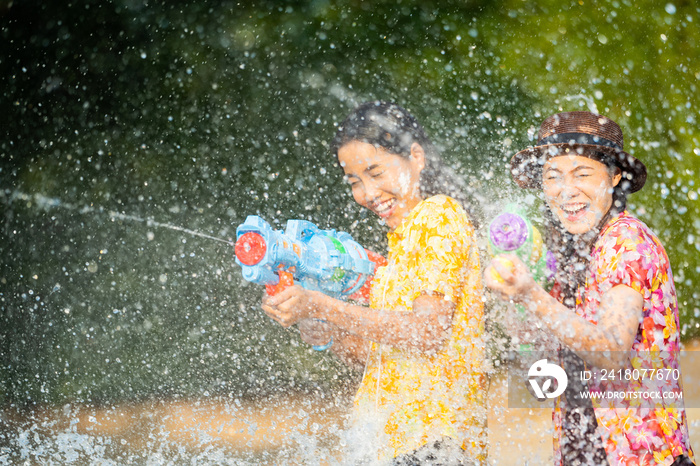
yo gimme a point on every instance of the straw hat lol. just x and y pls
(577, 133)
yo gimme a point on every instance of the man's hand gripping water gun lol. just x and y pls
(520, 259)
(322, 260)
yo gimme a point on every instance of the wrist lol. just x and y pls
(321, 305)
(532, 297)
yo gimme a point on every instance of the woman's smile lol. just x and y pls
(383, 208)
(579, 190)
(574, 211)
(385, 183)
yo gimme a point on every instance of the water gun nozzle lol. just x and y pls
(512, 232)
(250, 248)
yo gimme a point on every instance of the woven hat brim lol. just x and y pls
(526, 165)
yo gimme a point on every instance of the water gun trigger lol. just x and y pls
(362, 295)
(286, 280)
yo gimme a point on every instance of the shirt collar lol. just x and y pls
(614, 219)
(398, 233)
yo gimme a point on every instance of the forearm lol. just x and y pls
(523, 329)
(351, 349)
(422, 331)
(605, 344)
(593, 343)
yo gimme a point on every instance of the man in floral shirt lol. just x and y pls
(613, 309)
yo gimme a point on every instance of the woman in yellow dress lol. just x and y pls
(422, 395)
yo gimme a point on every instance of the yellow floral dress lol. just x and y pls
(413, 398)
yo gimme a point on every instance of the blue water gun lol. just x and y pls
(324, 260)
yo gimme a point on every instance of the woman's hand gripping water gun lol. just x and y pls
(509, 277)
(301, 268)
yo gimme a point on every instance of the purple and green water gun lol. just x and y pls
(512, 232)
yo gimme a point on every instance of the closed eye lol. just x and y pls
(375, 170)
(583, 171)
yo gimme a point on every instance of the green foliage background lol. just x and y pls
(196, 114)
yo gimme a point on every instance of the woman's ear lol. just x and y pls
(617, 176)
(418, 155)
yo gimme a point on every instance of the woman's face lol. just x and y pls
(385, 183)
(578, 190)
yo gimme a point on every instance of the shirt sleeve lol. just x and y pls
(441, 241)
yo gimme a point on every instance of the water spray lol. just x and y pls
(48, 203)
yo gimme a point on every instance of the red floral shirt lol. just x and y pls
(637, 430)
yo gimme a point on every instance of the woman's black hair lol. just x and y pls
(394, 129)
(621, 191)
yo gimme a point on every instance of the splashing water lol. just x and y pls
(47, 203)
(116, 348)
(588, 100)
